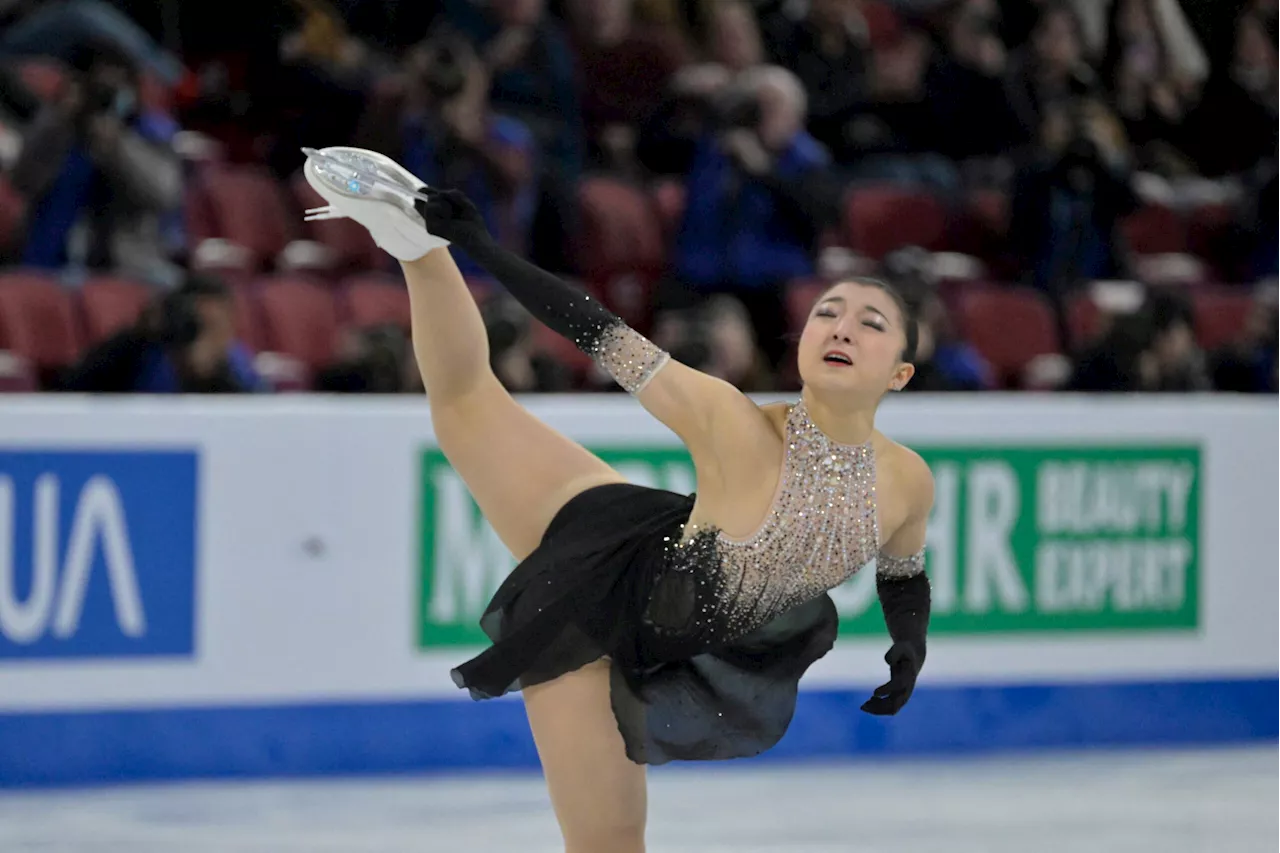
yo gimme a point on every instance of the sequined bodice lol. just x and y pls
(820, 529)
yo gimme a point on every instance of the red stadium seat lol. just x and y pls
(109, 305)
(299, 318)
(1008, 326)
(982, 228)
(243, 204)
(1219, 315)
(620, 248)
(1154, 230)
(37, 321)
(881, 219)
(620, 231)
(373, 300)
(352, 246)
(1084, 319)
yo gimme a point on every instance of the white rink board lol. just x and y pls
(307, 544)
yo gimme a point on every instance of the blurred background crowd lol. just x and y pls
(1076, 194)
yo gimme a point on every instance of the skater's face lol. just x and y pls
(856, 341)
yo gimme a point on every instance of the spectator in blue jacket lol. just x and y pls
(439, 123)
(95, 162)
(758, 193)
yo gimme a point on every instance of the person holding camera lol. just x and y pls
(100, 174)
(1069, 198)
(442, 127)
(1043, 71)
(759, 193)
(184, 342)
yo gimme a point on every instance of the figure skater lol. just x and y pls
(645, 626)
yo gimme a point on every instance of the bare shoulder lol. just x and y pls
(909, 476)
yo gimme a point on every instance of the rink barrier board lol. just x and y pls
(90, 748)
(255, 597)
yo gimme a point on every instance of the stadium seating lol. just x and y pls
(1154, 230)
(879, 219)
(299, 318)
(1220, 314)
(372, 300)
(110, 304)
(37, 322)
(1009, 327)
(620, 249)
(245, 205)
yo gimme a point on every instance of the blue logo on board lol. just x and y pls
(97, 553)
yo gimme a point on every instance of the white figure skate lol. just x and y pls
(376, 192)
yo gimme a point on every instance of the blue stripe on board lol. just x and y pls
(76, 748)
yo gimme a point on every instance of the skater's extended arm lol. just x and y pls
(903, 589)
(684, 399)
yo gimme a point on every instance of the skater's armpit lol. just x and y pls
(698, 407)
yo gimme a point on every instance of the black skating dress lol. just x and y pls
(708, 636)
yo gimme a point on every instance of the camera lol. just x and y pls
(103, 98)
(1082, 83)
(446, 63)
(736, 110)
(177, 320)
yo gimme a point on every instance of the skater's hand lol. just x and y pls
(450, 215)
(904, 665)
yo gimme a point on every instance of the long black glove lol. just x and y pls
(905, 601)
(628, 356)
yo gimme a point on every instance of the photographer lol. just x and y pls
(184, 342)
(94, 163)
(441, 127)
(759, 193)
(1040, 74)
(374, 360)
(1068, 199)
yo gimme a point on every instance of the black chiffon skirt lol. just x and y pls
(589, 591)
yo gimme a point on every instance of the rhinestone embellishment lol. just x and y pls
(821, 528)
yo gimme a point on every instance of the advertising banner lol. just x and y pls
(1060, 538)
(97, 554)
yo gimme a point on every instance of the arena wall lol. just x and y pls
(279, 586)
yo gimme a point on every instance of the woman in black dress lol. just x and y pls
(644, 626)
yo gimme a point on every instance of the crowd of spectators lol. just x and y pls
(1076, 194)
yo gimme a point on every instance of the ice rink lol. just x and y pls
(1213, 801)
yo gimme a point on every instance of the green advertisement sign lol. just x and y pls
(1021, 539)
